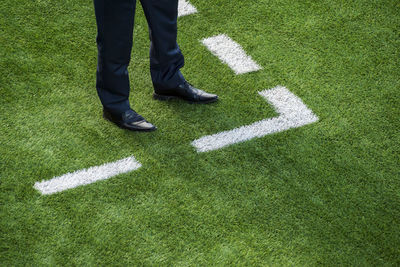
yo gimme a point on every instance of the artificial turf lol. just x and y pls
(323, 194)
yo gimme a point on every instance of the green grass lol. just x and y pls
(324, 194)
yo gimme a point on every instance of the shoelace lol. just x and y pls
(194, 89)
(133, 116)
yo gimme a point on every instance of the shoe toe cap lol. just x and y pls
(142, 125)
(204, 96)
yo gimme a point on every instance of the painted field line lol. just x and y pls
(231, 53)
(185, 8)
(293, 114)
(87, 176)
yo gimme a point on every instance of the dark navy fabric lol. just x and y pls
(115, 23)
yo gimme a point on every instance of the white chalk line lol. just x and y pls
(231, 53)
(293, 114)
(185, 8)
(87, 176)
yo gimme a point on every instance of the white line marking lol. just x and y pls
(87, 176)
(293, 114)
(185, 8)
(231, 53)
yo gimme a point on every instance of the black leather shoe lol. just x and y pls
(186, 92)
(129, 120)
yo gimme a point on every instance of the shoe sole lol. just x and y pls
(168, 97)
(127, 128)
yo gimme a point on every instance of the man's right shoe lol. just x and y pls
(186, 92)
(129, 120)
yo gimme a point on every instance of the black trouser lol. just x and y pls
(115, 20)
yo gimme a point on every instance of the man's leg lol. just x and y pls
(114, 42)
(166, 58)
(115, 20)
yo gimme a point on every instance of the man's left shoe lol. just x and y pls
(186, 92)
(129, 120)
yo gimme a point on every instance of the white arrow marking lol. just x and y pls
(231, 53)
(185, 8)
(87, 176)
(293, 114)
